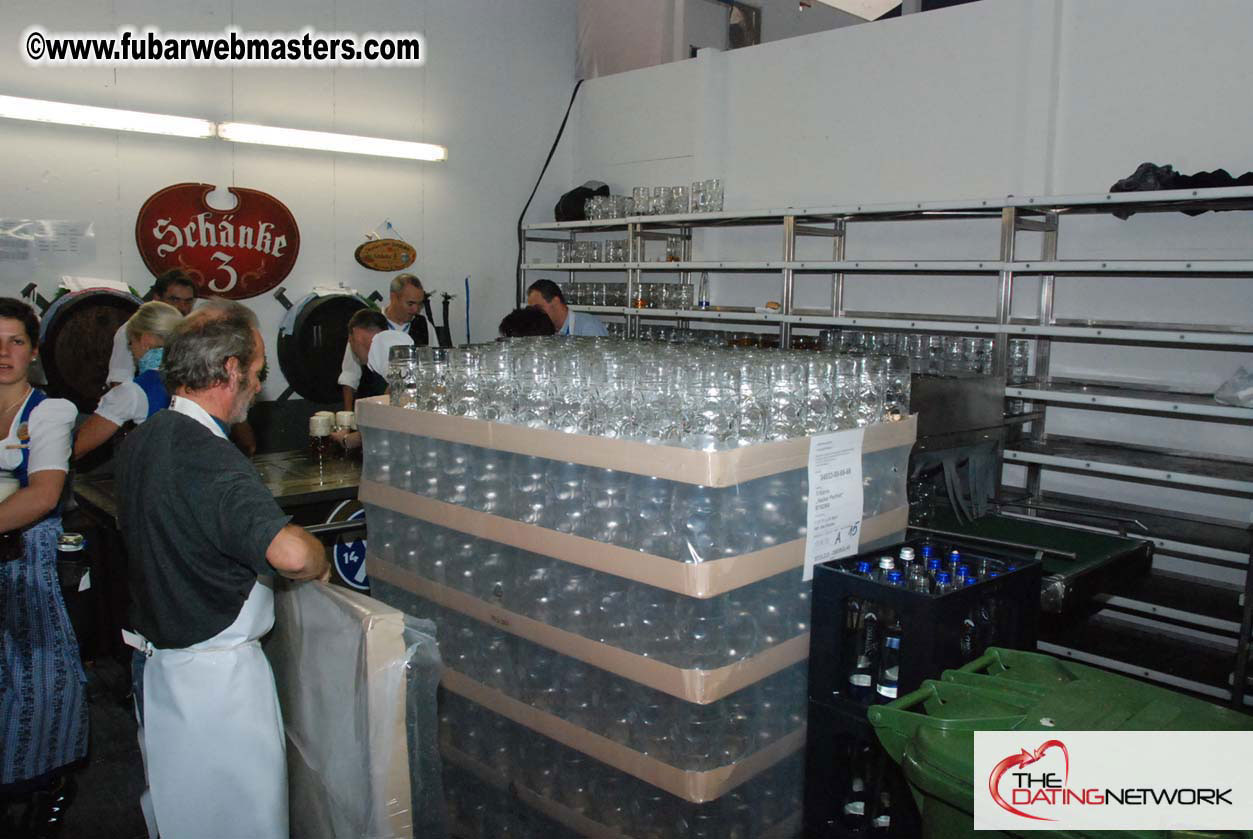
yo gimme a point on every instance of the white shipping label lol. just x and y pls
(833, 526)
(1113, 780)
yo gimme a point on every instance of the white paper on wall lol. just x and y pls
(31, 240)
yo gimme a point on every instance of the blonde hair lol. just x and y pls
(153, 318)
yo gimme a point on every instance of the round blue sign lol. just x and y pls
(349, 559)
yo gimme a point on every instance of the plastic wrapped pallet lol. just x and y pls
(591, 798)
(356, 681)
(640, 607)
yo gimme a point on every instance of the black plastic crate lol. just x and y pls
(852, 788)
(936, 632)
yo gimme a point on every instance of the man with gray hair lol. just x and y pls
(203, 536)
(404, 314)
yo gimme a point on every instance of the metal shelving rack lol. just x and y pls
(1184, 601)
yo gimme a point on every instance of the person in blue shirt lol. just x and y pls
(546, 295)
(143, 396)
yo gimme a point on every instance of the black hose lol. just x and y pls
(518, 290)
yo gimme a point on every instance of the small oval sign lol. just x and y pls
(386, 254)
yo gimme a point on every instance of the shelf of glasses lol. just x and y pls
(579, 266)
(655, 266)
(818, 319)
(602, 310)
(1196, 267)
(728, 313)
(1142, 463)
(1128, 396)
(897, 322)
(1069, 266)
(676, 220)
(1229, 198)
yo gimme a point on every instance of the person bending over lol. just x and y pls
(144, 395)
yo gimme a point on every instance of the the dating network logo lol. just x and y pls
(1063, 780)
(1022, 792)
(1030, 788)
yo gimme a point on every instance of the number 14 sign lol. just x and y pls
(235, 253)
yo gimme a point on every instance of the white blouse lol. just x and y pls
(51, 429)
(121, 362)
(125, 402)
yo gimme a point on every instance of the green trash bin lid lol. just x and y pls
(930, 732)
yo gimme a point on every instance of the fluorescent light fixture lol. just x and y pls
(40, 110)
(61, 113)
(241, 132)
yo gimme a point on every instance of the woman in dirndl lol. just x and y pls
(133, 401)
(43, 704)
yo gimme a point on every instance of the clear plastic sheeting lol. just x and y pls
(356, 680)
(685, 522)
(688, 736)
(485, 751)
(686, 632)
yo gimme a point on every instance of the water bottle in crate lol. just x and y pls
(876, 636)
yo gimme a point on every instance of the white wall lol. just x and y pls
(496, 82)
(986, 99)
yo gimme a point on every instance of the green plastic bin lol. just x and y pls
(930, 732)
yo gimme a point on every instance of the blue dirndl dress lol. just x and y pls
(43, 688)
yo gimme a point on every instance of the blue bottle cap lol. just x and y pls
(954, 556)
(863, 567)
(943, 577)
(926, 549)
(992, 574)
(963, 570)
(933, 564)
(895, 578)
(969, 581)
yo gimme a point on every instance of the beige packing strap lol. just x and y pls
(697, 686)
(696, 787)
(700, 579)
(672, 463)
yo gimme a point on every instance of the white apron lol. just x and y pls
(213, 731)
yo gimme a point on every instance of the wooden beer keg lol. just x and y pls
(311, 343)
(75, 341)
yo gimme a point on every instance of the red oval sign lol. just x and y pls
(235, 253)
